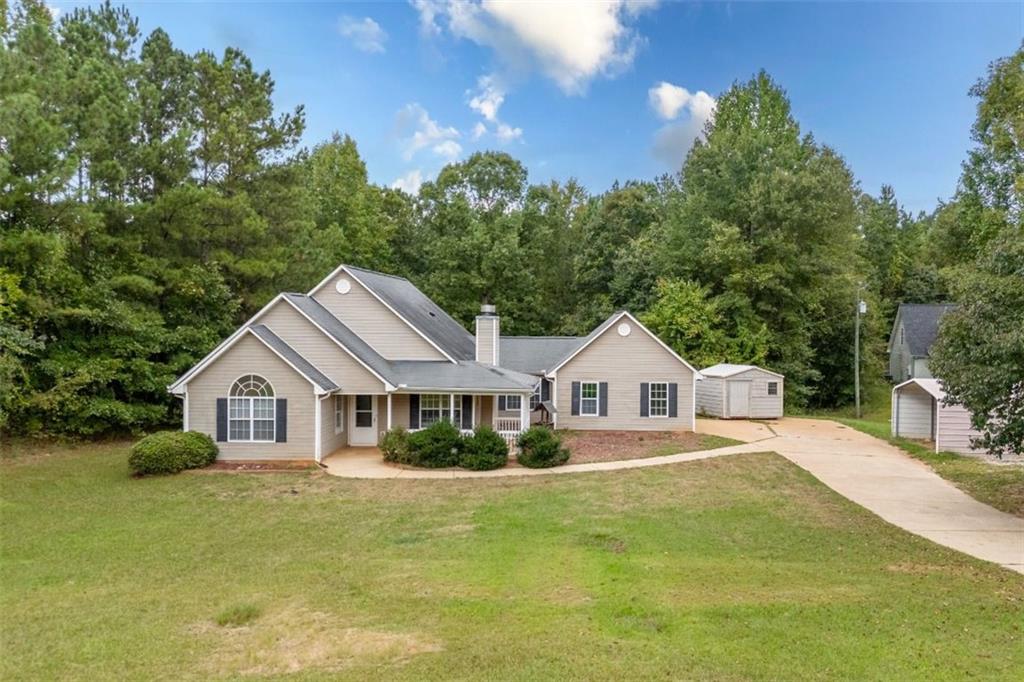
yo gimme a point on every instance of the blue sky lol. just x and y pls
(884, 84)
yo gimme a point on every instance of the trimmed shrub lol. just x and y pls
(484, 450)
(540, 448)
(168, 452)
(395, 445)
(436, 446)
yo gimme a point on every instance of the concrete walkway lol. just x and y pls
(902, 490)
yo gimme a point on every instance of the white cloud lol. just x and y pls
(450, 149)
(479, 130)
(506, 133)
(418, 131)
(54, 11)
(410, 182)
(569, 41)
(673, 141)
(488, 97)
(366, 34)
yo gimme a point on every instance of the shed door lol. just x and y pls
(739, 398)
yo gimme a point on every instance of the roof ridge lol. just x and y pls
(539, 336)
(377, 272)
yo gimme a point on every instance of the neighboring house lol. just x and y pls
(365, 351)
(740, 392)
(913, 332)
(918, 412)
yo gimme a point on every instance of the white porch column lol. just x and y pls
(389, 411)
(451, 410)
(524, 413)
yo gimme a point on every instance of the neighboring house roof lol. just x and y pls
(920, 325)
(436, 374)
(292, 357)
(725, 369)
(420, 312)
(602, 328)
(931, 386)
(535, 354)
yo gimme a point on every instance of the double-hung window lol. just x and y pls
(437, 406)
(339, 414)
(773, 388)
(590, 392)
(658, 399)
(251, 410)
(514, 402)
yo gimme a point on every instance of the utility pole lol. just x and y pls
(859, 308)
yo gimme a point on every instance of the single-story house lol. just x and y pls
(918, 412)
(910, 341)
(740, 392)
(365, 351)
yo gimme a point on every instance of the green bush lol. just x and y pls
(168, 452)
(436, 446)
(395, 445)
(484, 450)
(540, 447)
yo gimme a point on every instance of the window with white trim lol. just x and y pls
(252, 410)
(535, 398)
(339, 413)
(590, 392)
(513, 402)
(437, 406)
(657, 399)
(773, 388)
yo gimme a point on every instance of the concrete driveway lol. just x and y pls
(883, 479)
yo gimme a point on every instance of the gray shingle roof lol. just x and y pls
(535, 354)
(413, 305)
(921, 324)
(425, 374)
(340, 331)
(292, 356)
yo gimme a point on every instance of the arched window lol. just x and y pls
(251, 410)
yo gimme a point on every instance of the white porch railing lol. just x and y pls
(509, 429)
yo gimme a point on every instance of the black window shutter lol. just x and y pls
(575, 398)
(603, 409)
(644, 403)
(673, 400)
(414, 411)
(501, 403)
(545, 390)
(281, 432)
(467, 411)
(222, 420)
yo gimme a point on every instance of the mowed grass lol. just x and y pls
(998, 485)
(741, 567)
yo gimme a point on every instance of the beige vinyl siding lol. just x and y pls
(762, 405)
(329, 440)
(625, 362)
(913, 412)
(711, 397)
(250, 356)
(900, 368)
(374, 322)
(955, 430)
(487, 339)
(314, 345)
(920, 369)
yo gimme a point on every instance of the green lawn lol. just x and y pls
(998, 485)
(739, 567)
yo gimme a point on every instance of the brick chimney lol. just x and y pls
(488, 333)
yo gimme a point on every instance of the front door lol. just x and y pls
(739, 398)
(363, 418)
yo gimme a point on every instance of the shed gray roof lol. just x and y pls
(921, 325)
(425, 315)
(535, 354)
(725, 369)
(300, 363)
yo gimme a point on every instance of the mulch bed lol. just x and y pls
(609, 446)
(276, 465)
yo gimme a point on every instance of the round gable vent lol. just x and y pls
(343, 286)
(624, 329)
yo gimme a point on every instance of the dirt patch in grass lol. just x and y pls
(261, 465)
(610, 446)
(293, 640)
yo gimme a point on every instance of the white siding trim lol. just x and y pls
(317, 404)
(373, 293)
(184, 426)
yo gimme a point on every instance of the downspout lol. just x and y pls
(318, 400)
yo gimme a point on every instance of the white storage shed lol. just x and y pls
(918, 412)
(740, 392)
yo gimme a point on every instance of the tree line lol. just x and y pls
(154, 199)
